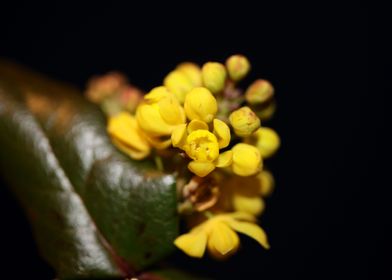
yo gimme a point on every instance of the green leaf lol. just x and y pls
(95, 212)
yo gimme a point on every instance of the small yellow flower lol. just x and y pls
(127, 136)
(244, 121)
(214, 76)
(159, 115)
(266, 140)
(238, 67)
(218, 234)
(247, 160)
(200, 104)
(202, 146)
(259, 92)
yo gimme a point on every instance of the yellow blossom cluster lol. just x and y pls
(200, 116)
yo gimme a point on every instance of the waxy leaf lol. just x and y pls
(96, 214)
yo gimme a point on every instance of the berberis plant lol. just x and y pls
(106, 180)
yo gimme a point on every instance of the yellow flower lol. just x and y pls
(214, 76)
(127, 136)
(200, 104)
(247, 160)
(202, 146)
(237, 66)
(159, 115)
(244, 121)
(218, 234)
(259, 92)
(266, 140)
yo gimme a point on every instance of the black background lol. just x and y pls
(328, 217)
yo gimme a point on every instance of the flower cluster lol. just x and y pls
(200, 124)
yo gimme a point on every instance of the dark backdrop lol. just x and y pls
(327, 218)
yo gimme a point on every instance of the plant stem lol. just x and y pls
(208, 214)
(159, 163)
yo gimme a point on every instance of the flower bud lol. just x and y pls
(244, 121)
(259, 92)
(266, 140)
(249, 204)
(200, 104)
(266, 183)
(192, 71)
(214, 76)
(247, 160)
(238, 67)
(101, 87)
(178, 83)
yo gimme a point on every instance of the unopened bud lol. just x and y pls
(192, 71)
(238, 67)
(200, 104)
(214, 76)
(244, 121)
(259, 92)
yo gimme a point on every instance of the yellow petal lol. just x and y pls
(158, 143)
(201, 169)
(247, 160)
(251, 204)
(126, 134)
(251, 230)
(222, 133)
(156, 94)
(193, 244)
(197, 124)
(224, 159)
(171, 110)
(129, 150)
(223, 238)
(178, 136)
(242, 216)
(150, 121)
